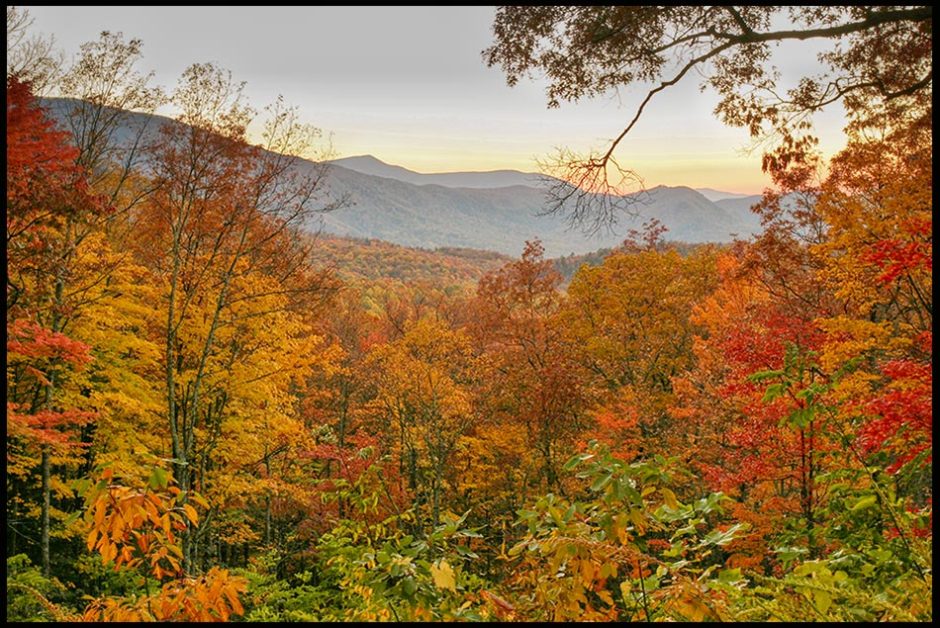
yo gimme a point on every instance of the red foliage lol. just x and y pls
(40, 163)
(43, 180)
(896, 258)
(30, 340)
(753, 447)
(904, 413)
(45, 427)
(351, 462)
(45, 190)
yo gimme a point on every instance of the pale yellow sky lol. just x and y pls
(408, 85)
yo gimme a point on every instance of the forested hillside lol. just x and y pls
(354, 259)
(213, 415)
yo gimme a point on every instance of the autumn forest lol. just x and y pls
(217, 413)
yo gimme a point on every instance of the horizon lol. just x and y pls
(415, 92)
(386, 163)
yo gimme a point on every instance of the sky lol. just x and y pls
(409, 86)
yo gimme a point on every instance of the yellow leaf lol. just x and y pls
(199, 499)
(108, 552)
(587, 572)
(99, 513)
(625, 591)
(823, 600)
(669, 498)
(639, 522)
(191, 513)
(443, 576)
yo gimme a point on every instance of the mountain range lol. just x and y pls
(497, 210)
(477, 210)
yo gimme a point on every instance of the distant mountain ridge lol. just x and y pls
(491, 211)
(367, 164)
(719, 195)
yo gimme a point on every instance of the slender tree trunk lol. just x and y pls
(267, 498)
(191, 413)
(15, 515)
(178, 453)
(811, 489)
(46, 466)
(45, 511)
(436, 496)
(45, 461)
(344, 409)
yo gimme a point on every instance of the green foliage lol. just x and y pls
(28, 592)
(383, 573)
(372, 573)
(626, 550)
(829, 590)
(294, 599)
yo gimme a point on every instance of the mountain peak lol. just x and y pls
(364, 159)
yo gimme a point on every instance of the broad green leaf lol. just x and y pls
(625, 591)
(576, 460)
(158, 478)
(823, 600)
(601, 482)
(866, 502)
(773, 391)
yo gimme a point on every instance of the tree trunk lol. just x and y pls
(344, 409)
(46, 463)
(436, 497)
(45, 511)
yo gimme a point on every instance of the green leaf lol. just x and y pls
(772, 392)
(762, 375)
(866, 502)
(727, 576)
(158, 478)
(601, 482)
(823, 600)
(801, 417)
(716, 537)
(625, 591)
(576, 460)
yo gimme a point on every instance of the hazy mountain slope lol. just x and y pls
(741, 207)
(498, 219)
(502, 219)
(689, 216)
